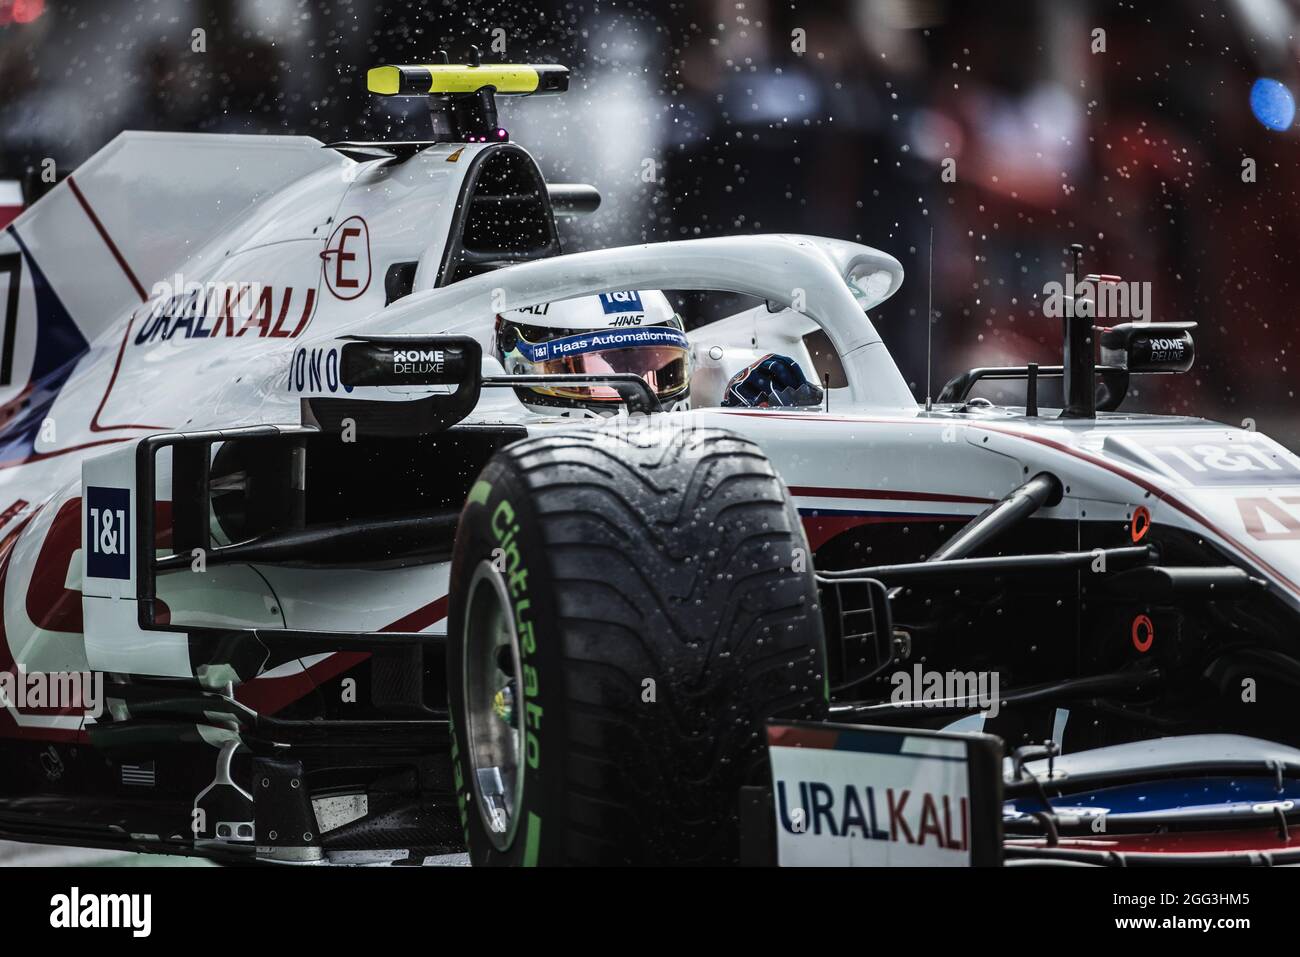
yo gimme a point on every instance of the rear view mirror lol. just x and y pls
(1149, 346)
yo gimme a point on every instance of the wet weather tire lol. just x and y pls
(626, 612)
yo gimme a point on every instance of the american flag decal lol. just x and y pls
(140, 775)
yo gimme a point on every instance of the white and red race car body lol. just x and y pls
(192, 283)
(114, 333)
(181, 300)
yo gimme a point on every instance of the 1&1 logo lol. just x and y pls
(629, 301)
(108, 532)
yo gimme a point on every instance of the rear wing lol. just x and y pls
(104, 238)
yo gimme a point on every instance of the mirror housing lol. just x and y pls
(443, 374)
(1149, 347)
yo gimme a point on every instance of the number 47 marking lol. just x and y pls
(11, 264)
(1282, 524)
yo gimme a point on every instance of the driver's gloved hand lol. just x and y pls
(771, 382)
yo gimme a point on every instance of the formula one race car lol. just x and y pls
(494, 558)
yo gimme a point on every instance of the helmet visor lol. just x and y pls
(658, 354)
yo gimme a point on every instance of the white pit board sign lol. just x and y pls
(866, 796)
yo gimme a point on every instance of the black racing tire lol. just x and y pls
(653, 598)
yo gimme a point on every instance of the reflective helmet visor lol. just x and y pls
(659, 354)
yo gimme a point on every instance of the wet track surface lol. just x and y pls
(39, 855)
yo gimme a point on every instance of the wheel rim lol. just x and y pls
(493, 703)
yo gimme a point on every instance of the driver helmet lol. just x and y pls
(635, 332)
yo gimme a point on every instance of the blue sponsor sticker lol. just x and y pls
(600, 340)
(629, 301)
(108, 532)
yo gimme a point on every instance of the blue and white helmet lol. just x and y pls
(635, 332)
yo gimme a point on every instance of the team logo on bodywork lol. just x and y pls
(225, 309)
(346, 259)
(615, 302)
(108, 532)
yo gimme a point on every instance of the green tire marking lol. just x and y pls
(532, 839)
(478, 495)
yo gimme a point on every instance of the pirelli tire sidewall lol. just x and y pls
(499, 515)
(666, 610)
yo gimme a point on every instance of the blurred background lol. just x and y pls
(1158, 134)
